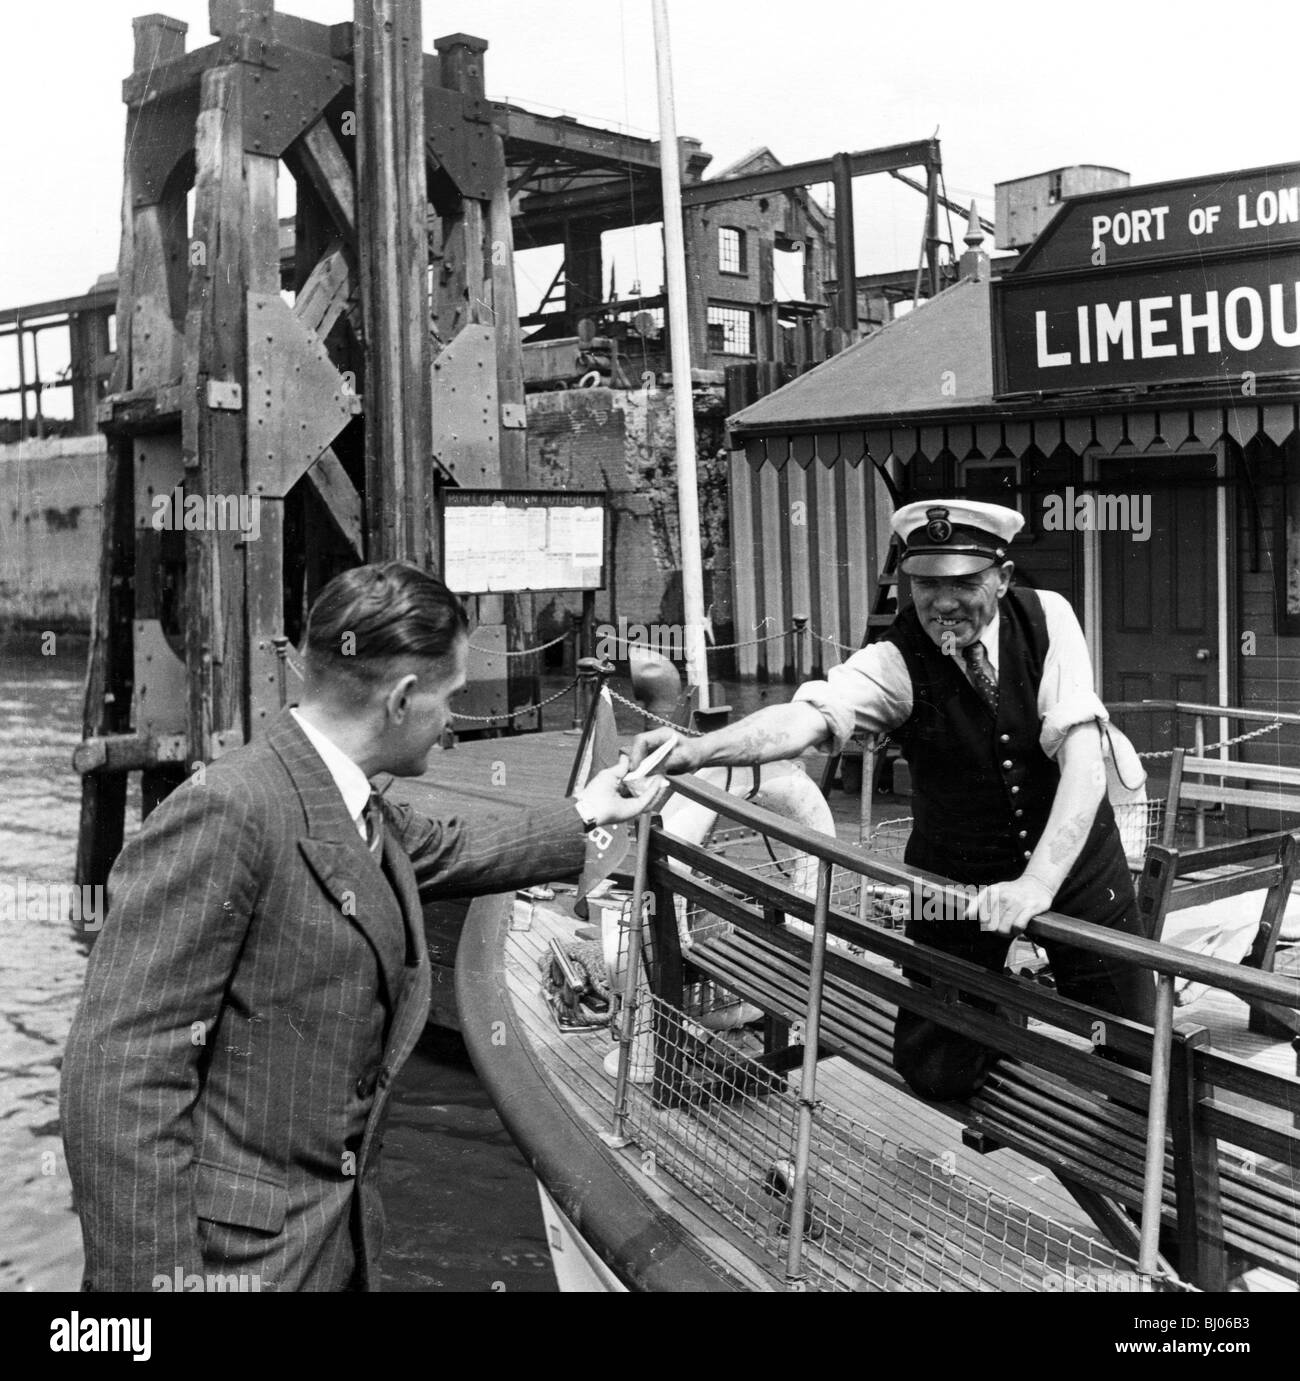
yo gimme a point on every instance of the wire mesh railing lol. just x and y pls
(877, 1214)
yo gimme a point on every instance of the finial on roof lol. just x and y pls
(974, 263)
(974, 236)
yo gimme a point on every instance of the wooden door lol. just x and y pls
(1159, 596)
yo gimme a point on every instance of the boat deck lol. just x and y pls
(898, 1202)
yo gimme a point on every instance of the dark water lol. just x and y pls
(41, 965)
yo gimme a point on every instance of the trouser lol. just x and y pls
(941, 1063)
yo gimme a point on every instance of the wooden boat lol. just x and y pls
(688, 1169)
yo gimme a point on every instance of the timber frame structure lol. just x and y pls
(257, 448)
(320, 417)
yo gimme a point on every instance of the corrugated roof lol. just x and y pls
(938, 357)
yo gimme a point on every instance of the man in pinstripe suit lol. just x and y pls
(261, 976)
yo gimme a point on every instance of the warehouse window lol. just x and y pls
(730, 330)
(731, 250)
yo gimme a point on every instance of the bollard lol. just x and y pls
(800, 622)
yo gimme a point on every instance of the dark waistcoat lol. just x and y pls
(982, 788)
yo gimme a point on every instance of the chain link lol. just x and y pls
(519, 713)
(658, 719)
(751, 642)
(826, 638)
(715, 647)
(521, 651)
(1223, 743)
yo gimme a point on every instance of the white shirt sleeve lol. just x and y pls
(872, 691)
(1067, 695)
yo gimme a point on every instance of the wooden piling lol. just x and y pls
(392, 222)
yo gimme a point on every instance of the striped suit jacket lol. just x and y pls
(256, 987)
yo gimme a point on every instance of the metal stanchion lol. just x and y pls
(631, 978)
(808, 1079)
(1157, 1110)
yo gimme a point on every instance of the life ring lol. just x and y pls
(786, 790)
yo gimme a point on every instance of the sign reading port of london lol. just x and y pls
(1173, 282)
(506, 541)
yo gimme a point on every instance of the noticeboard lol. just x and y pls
(512, 541)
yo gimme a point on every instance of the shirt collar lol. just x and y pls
(348, 777)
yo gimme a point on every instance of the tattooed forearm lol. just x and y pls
(1081, 790)
(767, 735)
(1065, 845)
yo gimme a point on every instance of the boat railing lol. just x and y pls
(662, 855)
(1229, 726)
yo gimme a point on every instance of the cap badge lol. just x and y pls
(938, 529)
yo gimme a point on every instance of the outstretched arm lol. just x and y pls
(470, 856)
(768, 735)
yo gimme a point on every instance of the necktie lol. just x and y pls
(375, 825)
(981, 674)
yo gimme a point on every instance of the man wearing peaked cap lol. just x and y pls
(989, 691)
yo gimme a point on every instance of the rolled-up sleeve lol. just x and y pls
(1067, 694)
(872, 691)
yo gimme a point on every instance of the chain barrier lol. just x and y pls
(522, 651)
(1222, 743)
(1155, 753)
(658, 719)
(751, 642)
(715, 647)
(523, 709)
(826, 638)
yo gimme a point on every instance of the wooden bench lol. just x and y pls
(1228, 1193)
(1200, 781)
(1175, 880)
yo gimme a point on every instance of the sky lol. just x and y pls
(1162, 90)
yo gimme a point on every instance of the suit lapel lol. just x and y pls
(338, 856)
(413, 1005)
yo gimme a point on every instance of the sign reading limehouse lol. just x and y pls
(1189, 281)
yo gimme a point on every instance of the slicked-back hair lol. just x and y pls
(369, 619)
